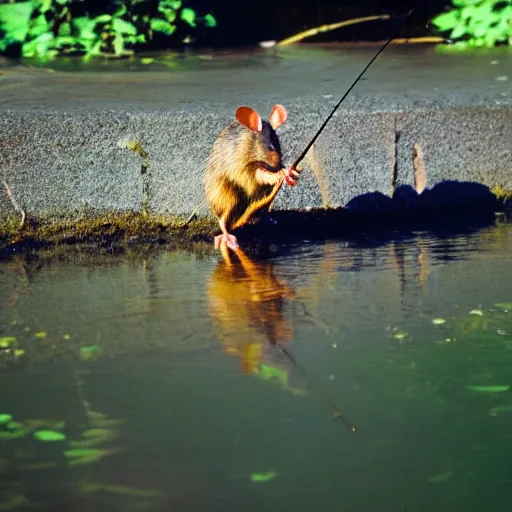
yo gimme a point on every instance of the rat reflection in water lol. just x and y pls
(247, 303)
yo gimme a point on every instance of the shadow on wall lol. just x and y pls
(456, 197)
(449, 202)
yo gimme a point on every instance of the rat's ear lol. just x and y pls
(278, 116)
(249, 118)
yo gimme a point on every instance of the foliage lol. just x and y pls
(49, 28)
(478, 22)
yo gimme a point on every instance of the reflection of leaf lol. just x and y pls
(13, 435)
(91, 487)
(77, 456)
(440, 478)
(93, 437)
(501, 305)
(501, 408)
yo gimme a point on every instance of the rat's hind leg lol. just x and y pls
(225, 205)
(227, 237)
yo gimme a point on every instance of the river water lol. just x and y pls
(192, 381)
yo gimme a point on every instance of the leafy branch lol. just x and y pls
(478, 22)
(50, 28)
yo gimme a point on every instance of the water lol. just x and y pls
(160, 372)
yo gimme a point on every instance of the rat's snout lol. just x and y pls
(275, 160)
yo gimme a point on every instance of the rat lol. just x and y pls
(244, 171)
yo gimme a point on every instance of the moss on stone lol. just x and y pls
(503, 194)
(109, 228)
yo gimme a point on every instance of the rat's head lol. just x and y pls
(265, 145)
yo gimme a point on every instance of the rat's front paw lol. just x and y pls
(291, 176)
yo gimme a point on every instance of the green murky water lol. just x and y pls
(163, 382)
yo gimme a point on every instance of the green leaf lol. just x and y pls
(49, 436)
(103, 18)
(170, 4)
(39, 26)
(162, 26)
(458, 31)
(118, 45)
(65, 29)
(14, 20)
(189, 16)
(124, 27)
(85, 27)
(447, 21)
(461, 3)
(170, 14)
(210, 21)
(480, 30)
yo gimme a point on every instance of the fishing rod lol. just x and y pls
(317, 134)
(337, 412)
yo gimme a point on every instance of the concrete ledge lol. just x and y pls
(74, 144)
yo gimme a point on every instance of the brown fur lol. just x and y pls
(231, 188)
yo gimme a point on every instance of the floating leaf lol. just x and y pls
(263, 477)
(49, 436)
(5, 418)
(146, 60)
(89, 351)
(7, 341)
(19, 352)
(438, 321)
(489, 389)
(504, 305)
(40, 334)
(476, 312)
